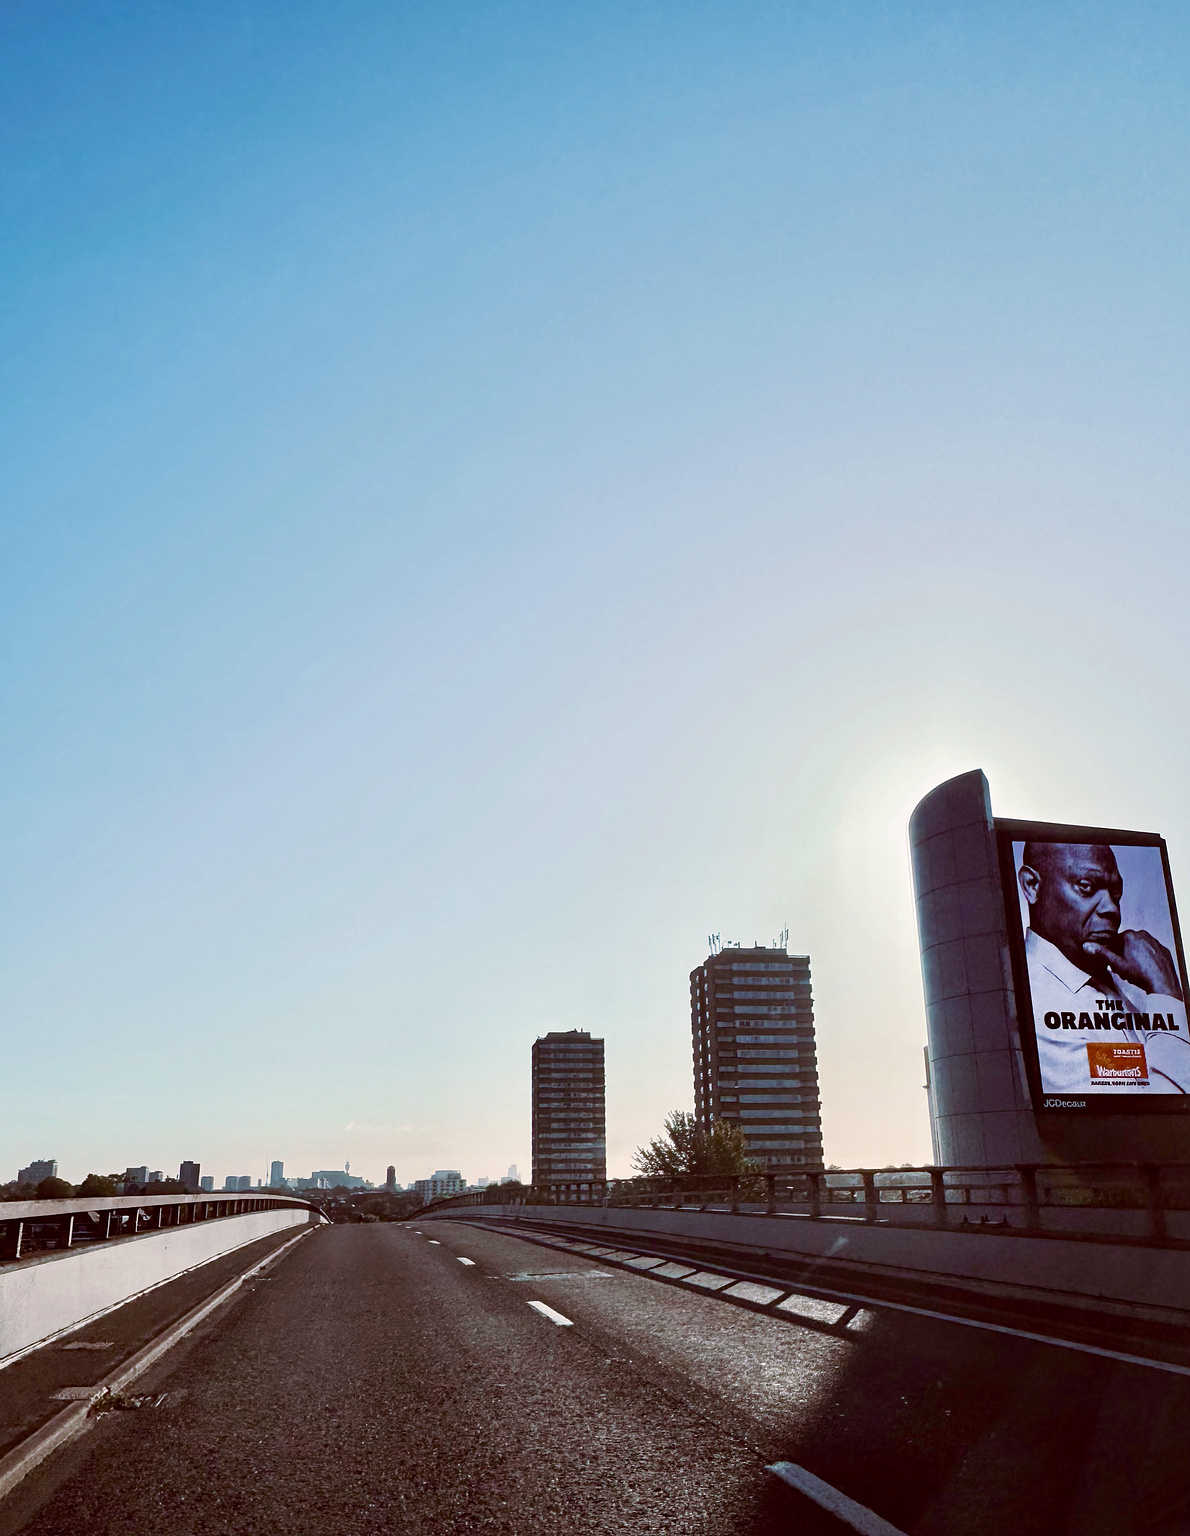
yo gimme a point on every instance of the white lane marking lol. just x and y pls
(707, 1281)
(554, 1317)
(871, 1304)
(748, 1290)
(562, 1274)
(433, 1241)
(813, 1309)
(858, 1516)
(471, 1262)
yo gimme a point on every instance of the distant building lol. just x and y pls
(569, 1134)
(443, 1182)
(188, 1176)
(512, 1176)
(390, 1178)
(277, 1175)
(137, 1175)
(47, 1168)
(752, 1021)
(156, 1177)
(206, 1183)
(332, 1178)
(244, 1181)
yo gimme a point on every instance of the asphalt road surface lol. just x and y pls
(376, 1383)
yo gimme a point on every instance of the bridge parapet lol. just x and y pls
(36, 1226)
(65, 1262)
(1093, 1202)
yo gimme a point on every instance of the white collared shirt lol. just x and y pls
(1060, 987)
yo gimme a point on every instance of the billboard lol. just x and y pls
(1098, 969)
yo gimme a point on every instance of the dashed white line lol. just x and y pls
(462, 1260)
(858, 1516)
(434, 1241)
(554, 1317)
(861, 1304)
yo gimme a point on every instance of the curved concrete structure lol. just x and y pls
(979, 1095)
(53, 1293)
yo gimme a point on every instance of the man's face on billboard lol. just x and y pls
(1074, 895)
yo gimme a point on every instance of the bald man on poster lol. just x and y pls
(1098, 992)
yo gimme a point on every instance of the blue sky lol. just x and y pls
(490, 494)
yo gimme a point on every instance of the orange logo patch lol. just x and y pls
(1116, 1062)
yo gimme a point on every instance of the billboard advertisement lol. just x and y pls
(1098, 969)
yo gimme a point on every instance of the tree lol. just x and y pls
(687, 1148)
(54, 1189)
(97, 1184)
(502, 1194)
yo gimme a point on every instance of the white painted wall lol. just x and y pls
(51, 1294)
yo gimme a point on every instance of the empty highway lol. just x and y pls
(451, 1379)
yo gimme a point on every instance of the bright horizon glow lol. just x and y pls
(490, 499)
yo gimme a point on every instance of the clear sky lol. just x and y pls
(492, 493)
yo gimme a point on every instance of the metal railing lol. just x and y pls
(39, 1226)
(1134, 1200)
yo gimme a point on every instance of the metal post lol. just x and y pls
(770, 1180)
(938, 1196)
(735, 1194)
(1156, 1202)
(1028, 1173)
(815, 1180)
(14, 1232)
(871, 1202)
(66, 1227)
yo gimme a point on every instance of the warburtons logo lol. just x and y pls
(1116, 1063)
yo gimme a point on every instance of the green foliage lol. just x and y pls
(382, 1204)
(97, 1184)
(54, 1189)
(686, 1148)
(502, 1194)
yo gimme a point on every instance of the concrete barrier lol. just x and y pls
(47, 1295)
(1146, 1281)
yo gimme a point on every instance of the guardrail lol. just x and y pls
(29, 1227)
(1134, 1200)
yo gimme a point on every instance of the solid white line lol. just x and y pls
(93, 1317)
(72, 1419)
(554, 1317)
(858, 1516)
(874, 1303)
(467, 1261)
(1017, 1333)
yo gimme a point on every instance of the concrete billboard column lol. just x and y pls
(979, 1096)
